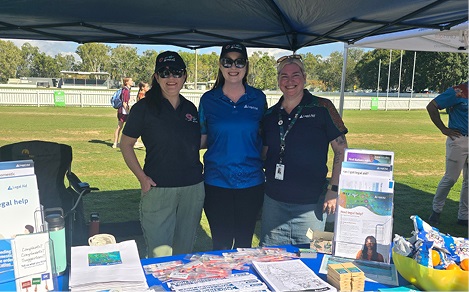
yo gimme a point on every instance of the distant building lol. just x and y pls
(83, 80)
(28, 82)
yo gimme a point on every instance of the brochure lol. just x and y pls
(363, 218)
(25, 263)
(369, 156)
(291, 275)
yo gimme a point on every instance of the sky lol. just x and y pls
(53, 48)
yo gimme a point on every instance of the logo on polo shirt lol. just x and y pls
(307, 116)
(191, 118)
(251, 107)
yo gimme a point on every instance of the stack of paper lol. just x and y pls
(234, 282)
(107, 267)
(346, 277)
(358, 276)
(291, 275)
(339, 277)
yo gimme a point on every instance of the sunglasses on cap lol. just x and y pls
(228, 63)
(165, 73)
(294, 56)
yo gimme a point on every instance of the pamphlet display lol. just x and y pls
(365, 205)
(25, 249)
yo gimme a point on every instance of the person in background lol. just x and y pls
(454, 100)
(230, 116)
(171, 181)
(297, 132)
(369, 251)
(143, 87)
(123, 111)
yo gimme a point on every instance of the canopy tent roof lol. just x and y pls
(422, 39)
(286, 24)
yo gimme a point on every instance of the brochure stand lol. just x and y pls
(26, 251)
(365, 206)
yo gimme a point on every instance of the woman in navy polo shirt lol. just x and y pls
(297, 132)
(171, 179)
(230, 116)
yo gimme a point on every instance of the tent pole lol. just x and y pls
(379, 73)
(195, 73)
(400, 72)
(389, 73)
(342, 81)
(413, 75)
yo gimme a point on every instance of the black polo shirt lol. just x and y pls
(171, 138)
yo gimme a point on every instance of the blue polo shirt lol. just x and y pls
(234, 145)
(454, 100)
(306, 149)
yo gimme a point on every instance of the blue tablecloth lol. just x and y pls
(313, 264)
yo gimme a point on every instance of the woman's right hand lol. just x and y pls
(146, 183)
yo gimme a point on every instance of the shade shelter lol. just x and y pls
(286, 24)
(454, 40)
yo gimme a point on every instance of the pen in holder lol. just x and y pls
(56, 226)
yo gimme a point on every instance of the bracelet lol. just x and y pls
(333, 188)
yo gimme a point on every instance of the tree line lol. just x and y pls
(434, 71)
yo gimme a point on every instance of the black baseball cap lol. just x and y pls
(234, 47)
(169, 59)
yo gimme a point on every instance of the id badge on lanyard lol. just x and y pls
(280, 167)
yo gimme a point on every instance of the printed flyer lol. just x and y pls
(363, 219)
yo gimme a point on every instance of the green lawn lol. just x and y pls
(418, 146)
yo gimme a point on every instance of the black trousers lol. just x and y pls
(232, 215)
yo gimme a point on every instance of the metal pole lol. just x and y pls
(389, 72)
(342, 81)
(379, 73)
(400, 72)
(195, 73)
(413, 75)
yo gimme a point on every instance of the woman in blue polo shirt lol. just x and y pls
(230, 116)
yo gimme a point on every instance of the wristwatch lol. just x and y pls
(333, 188)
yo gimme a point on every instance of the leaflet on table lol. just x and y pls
(362, 169)
(291, 275)
(19, 206)
(16, 168)
(361, 214)
(374, 271)
(369, 156)
(25, 263)
(111, 266)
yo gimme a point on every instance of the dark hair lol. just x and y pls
(374, 255)
(154, 96)
(29, 228)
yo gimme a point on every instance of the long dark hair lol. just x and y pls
(374, 253)
(154, 96)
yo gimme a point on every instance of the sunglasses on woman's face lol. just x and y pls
(228, 63)
(165, 73)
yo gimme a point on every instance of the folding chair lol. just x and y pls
(52, 163)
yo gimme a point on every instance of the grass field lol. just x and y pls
(418, 145)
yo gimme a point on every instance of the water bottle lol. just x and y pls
(94, 224)
(56, 226)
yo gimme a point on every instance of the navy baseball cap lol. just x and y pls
(169, 59)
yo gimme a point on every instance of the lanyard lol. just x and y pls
(283, 133)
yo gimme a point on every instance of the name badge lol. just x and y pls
(279, 171)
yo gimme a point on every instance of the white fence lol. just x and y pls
(101, 98)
